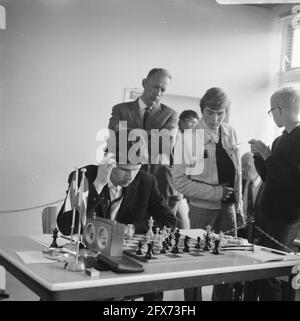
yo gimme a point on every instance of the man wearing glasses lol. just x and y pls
(279, 168)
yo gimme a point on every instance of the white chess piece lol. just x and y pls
(150, 225)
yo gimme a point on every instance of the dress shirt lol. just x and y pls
(215, 136)
(142, 108)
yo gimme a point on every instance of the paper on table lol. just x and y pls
(29, 257)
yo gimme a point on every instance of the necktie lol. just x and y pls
(113, 199)
(146, 114)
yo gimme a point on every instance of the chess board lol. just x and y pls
(131, 246)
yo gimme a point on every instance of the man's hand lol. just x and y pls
(104, 170)
(227, 192)
(259, 148)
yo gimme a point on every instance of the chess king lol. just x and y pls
(120, 190)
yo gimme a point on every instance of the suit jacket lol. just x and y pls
(160, 117)
(141, 199)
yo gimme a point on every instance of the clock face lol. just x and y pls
(102, 238)
(90, 233)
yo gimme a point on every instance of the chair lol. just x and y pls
(49, 215)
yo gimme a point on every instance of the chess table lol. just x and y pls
(50, 281)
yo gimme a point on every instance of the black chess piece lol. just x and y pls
(197, 245)
(186, 244)
(163, 250)
(54, 236)
(139, 250)
(169, 239)
(207, 243)
(167, 244)
(216, 250)
(175, 248)
(149, 254)
(177, 235)
(152, 247)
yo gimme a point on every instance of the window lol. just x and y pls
(290, 56)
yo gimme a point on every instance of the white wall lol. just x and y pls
(65, 63)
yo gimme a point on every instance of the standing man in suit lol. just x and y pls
(148, 113)
(252, 192)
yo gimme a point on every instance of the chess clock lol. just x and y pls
(104, 236)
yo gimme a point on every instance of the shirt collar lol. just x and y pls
(111, 185)
(214, 135)
(142, 105)
(256, 181)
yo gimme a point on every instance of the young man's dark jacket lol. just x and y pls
(141, 199)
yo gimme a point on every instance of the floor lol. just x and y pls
(18, 292)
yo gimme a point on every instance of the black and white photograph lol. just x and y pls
(149, 151)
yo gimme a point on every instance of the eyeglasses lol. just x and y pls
(269, 112)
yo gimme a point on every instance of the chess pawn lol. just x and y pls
(216, 250)
(222, 239)
(186, 244)
(157, 236)
(54, 236)
(198, 245)
(139, 250)
(149, 254)
(163, 250)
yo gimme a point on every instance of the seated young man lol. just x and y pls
(121, 192)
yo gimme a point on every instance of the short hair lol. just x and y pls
(159, 71)
(288, 98)
(214, 98)
(247, 155)
(115, 145)
(187, 114)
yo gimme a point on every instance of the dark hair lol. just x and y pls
(116, 144)
(187, 114)
(160, 71)
(214, 98)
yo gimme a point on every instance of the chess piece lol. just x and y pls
(175, 248)
(197, 245)
(208, 229)
(186, 244)
(216, 250)
(169, 237)
(149, 254)
(167, 244)
(150, 226)
(157, 233)
(139, 250)
(163, 250)
(152, 247)
(207, 242)
(177, 235)
(222, 239)
(54, 236)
